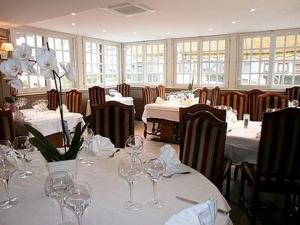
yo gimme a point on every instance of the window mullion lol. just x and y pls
(271, 60)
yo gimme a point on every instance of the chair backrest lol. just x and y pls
(147, 95)
(7, 131)
(214, 100)
(113, 120)
(97, 95)
(124, 89)
(203, 95)
(184, 112)
(293, 93)
(161, 91)
(204, 145)
(279, 147)
(73, 101)
(272, 101)
(52, 97)
(252, 103)
(236, 100)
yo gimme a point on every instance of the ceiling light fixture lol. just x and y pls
(73, 14)
(210, 29)
(73, 24)
(104, 31)
(134, 32)
(233, 22)
(252, 10)
(168, 33)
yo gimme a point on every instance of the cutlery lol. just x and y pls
(229, 130)
(171, 175)
(195, 202)
(26, 160)
(113, 154)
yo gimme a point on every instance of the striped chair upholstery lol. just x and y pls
(272, 101)
(113, 120)
(204, 145)
(161, 91)
(97, 95)
(73, 101)
(147, 95)
(293, 93)
(215, 94)
(52, 97)
(6, 125)
(203, 95)
(123, 89)
(252, 103)
(236, 100)
(278, 167)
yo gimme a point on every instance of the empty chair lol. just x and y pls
(123, 89)
(215, 94)
(278, 167)
(293, 93)
(73, 101)
(161, 91)
(52, 97)
(97, 95)
(270, 101)
(113, 120)
(235, 100)
(6, 125)
(204, 145)
(203, 93)
(252, 103)
(147, 95)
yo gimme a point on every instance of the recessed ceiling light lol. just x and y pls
(210, 29)
(73, 14)
(252, 10)
(134, 32)
(168, 33)
(73, 24)
(104, 31)
(233, 22)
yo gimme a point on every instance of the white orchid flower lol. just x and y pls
(23, 52)
(69, 71)
(48, 73)
(46, 59)
(16, 83)
(11, 68)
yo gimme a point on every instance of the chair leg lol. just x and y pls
(145, 130)
(236, 171)
(255, 203)
(242, 188)
(153, 128)
(227, 195)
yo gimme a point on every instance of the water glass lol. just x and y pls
(246, 119)
(88, 136)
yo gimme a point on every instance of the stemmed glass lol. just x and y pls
(57, 185)
(22, 146)
(8, 166)
(129, 169)
(78, 199)
(134, 145)
(155, 169)
(89, 134)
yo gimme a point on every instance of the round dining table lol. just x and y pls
(110, 192)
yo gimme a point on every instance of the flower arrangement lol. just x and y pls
(23, 61)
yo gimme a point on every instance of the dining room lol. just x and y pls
(150, 112)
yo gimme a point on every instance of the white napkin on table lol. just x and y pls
(159, 100)
(204, 213)
(99, 143)
(118, 95)
(230, 116)
(64, 107)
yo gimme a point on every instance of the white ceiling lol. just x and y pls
(171, 19)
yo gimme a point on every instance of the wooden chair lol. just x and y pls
(73, 101)
(270, 101)
(236, 100)
(215, 94)
(7, 131)
(97, 95)
(218, 113)
(252, 103)
(203, 93)
(161, 91)
(113, 120)
(278, 167)
(293, 93)
(52, 97)
(147, 95)
(204, 145)
(124, 89)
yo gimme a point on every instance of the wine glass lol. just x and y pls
(155, 169)
(78, 199)
(57, 185)
(5, 147)
(22, 146)
(8, 166)
(134, 145)
(88, 136)
(129, 169)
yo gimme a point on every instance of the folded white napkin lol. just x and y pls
(230, 116)
(118, 95)
(204, 213)
(99, 143)
(41, 107)
(64, 107)
(159, 100)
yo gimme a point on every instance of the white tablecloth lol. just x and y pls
(110, 192)
(48, 122)
(124, 100)
(242, 143)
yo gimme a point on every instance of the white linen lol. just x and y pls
(204, 211)
(159, 100)
(64, 109)
(110, 192)
(242, 143)
(99, 143)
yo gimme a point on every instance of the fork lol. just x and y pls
(113, 154)
(171, 175)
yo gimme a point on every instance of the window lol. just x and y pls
(111, 68)
(145, 63)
